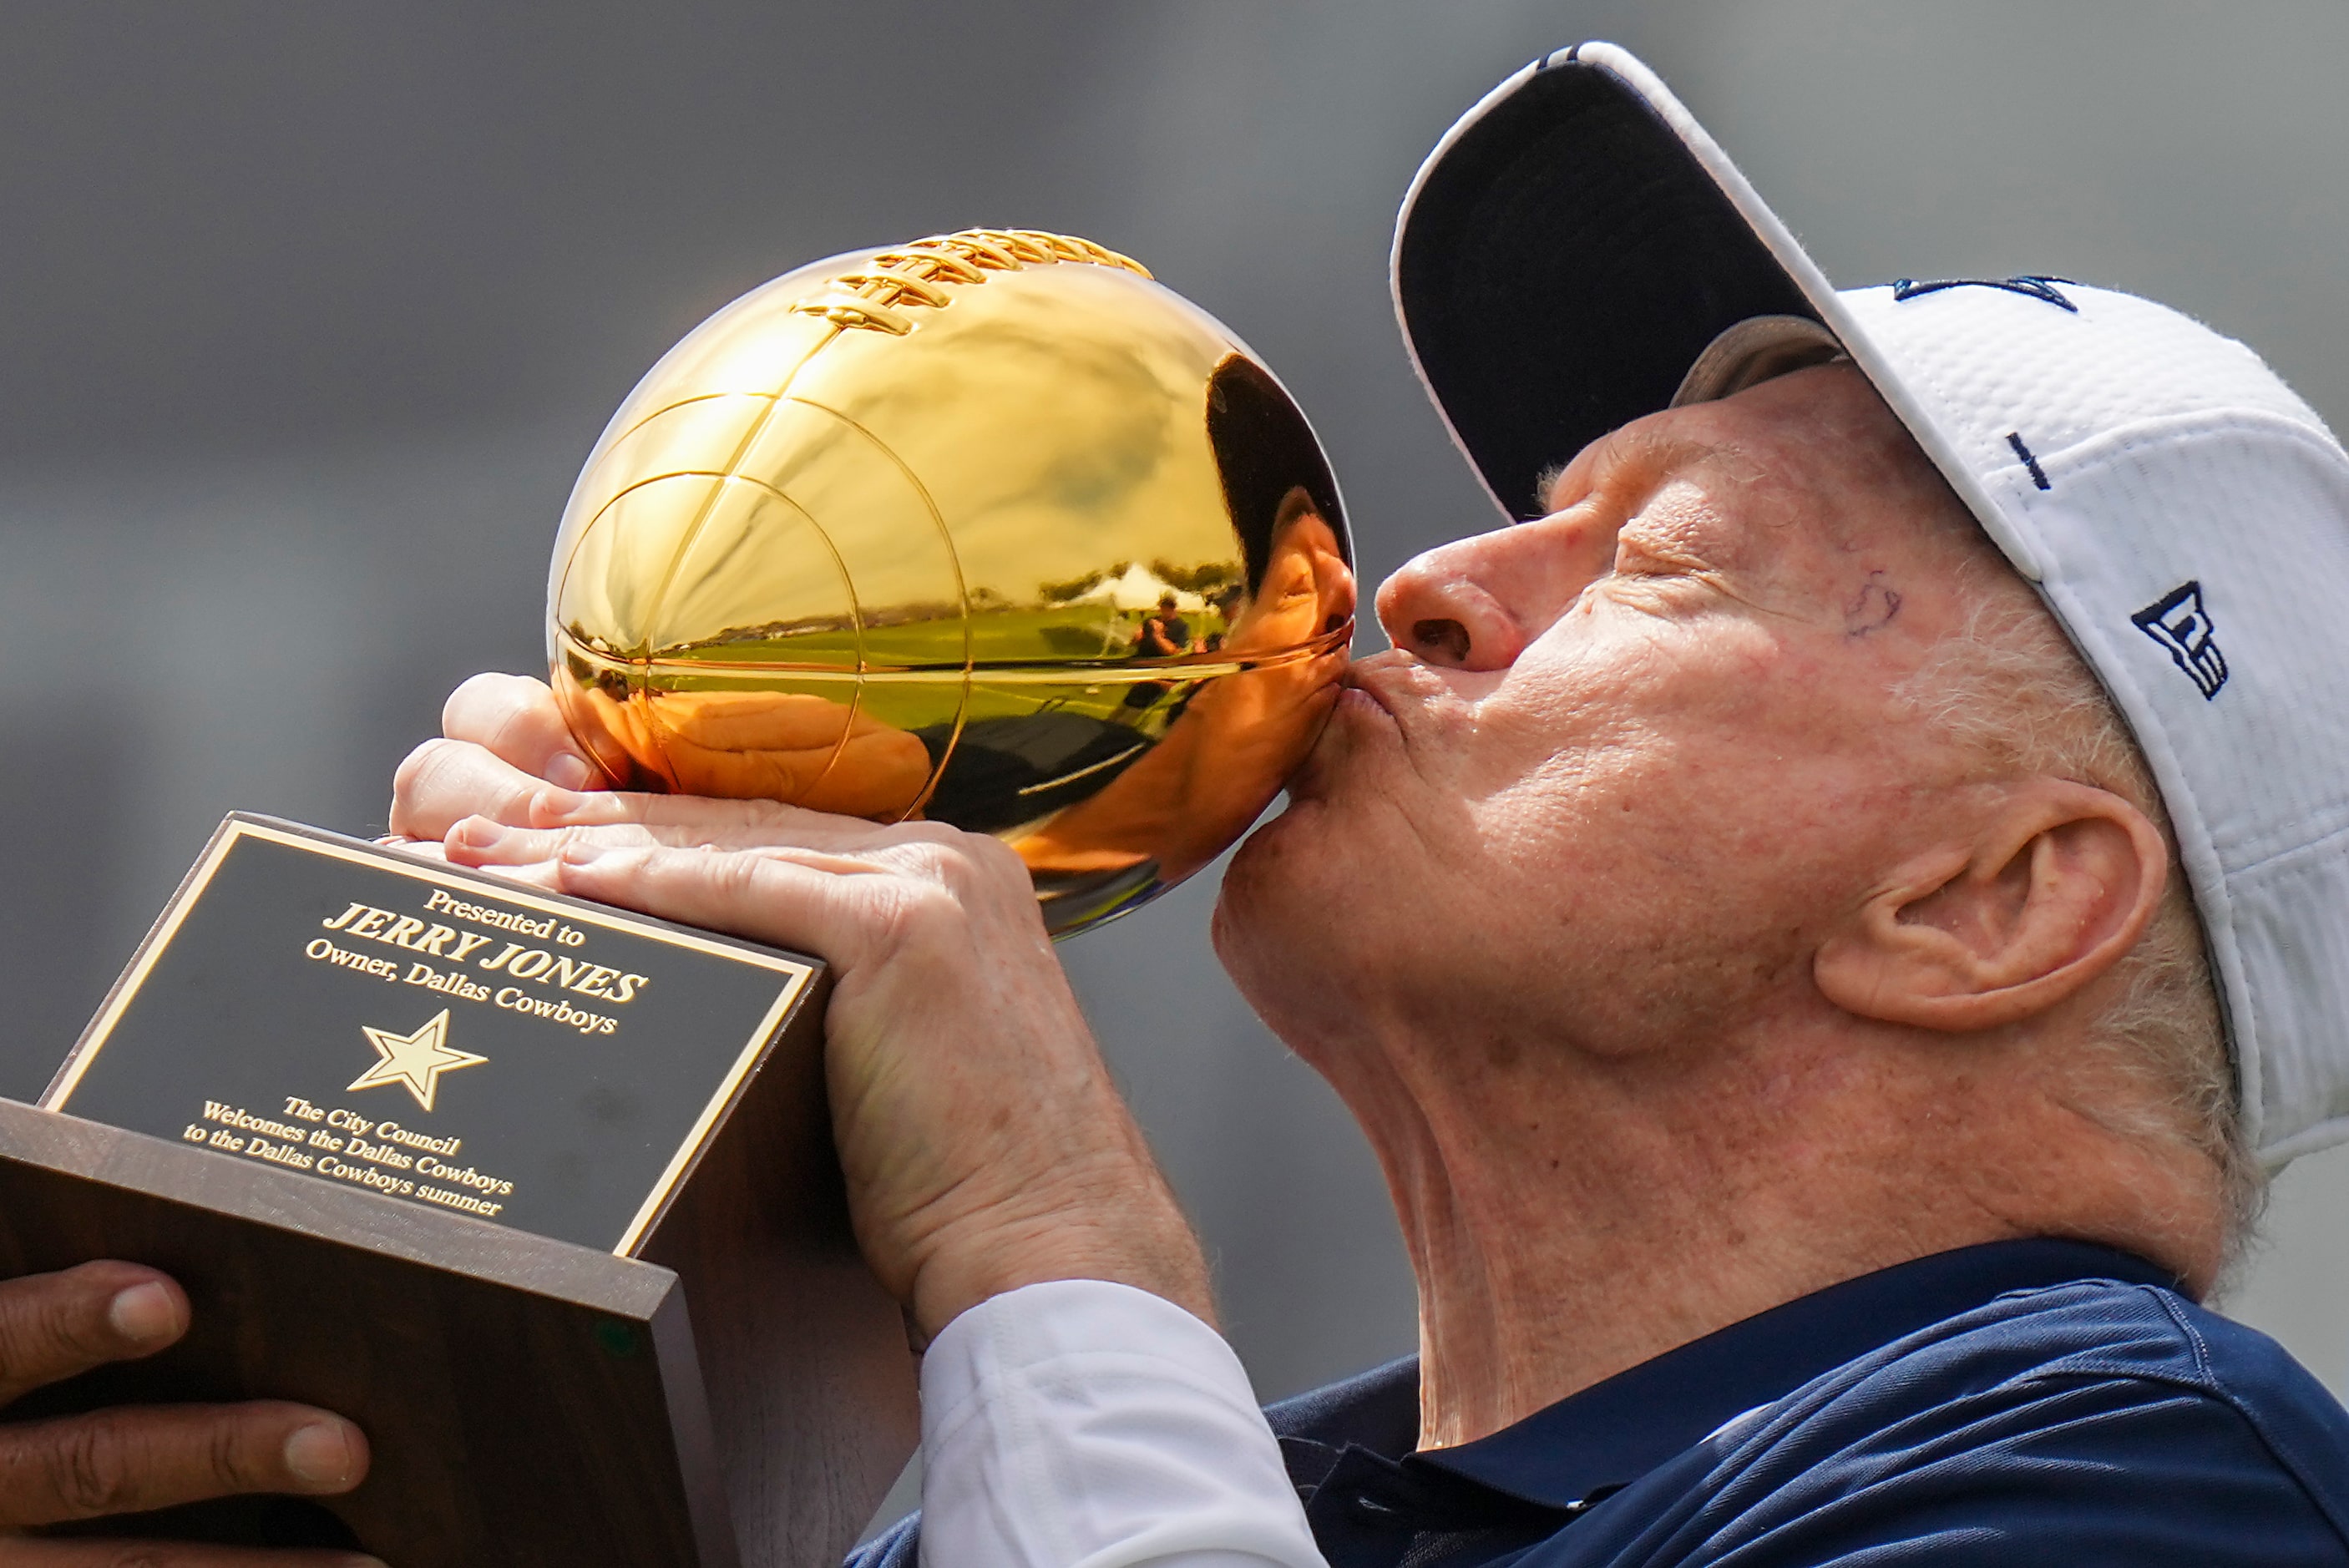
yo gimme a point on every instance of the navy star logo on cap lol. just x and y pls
(2038, 285)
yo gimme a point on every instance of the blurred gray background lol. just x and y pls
(309, 313)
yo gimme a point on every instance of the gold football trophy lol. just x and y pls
(989, 529)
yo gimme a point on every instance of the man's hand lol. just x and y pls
(133, 1460)
(984, 1145)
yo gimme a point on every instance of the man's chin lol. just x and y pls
(1286, 926)
(1295, 864)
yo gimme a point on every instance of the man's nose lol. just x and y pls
(1474, 603)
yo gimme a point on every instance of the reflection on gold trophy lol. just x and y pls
(989, 529)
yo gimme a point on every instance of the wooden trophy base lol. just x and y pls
(741, 1400)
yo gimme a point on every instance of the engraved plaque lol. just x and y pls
(387, 1021)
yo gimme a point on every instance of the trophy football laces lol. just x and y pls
(873, 296)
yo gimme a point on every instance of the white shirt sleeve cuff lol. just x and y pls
(1080, 1424)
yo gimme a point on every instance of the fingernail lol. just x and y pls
(478, 831)
(552, 808)
(569, 771)
(144, 1315)
(578, 853)
(319, 1456)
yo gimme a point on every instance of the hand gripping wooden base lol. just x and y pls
(741, 1399)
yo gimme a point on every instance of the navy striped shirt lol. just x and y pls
(2016, 1404)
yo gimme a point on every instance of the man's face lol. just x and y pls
(1625, 760)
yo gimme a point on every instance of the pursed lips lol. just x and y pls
(1394, 680)
(1395, 686)
(1351, 680)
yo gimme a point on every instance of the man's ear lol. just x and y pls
(2057, 881)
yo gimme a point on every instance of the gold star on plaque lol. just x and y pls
(417, 1060)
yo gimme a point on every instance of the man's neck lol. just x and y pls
(1568, 1223)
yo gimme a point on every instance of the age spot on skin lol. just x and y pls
(1871, 608)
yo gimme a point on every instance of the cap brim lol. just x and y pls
(1567, 251)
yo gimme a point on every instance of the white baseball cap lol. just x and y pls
(1578, 252)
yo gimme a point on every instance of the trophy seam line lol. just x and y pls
(643, 665)
(733, 469)
(962, 598)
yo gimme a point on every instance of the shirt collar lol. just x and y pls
(1613, 1432)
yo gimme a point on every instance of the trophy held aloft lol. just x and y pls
(990, 530)
(987, 529)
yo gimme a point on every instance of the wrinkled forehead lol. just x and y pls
(1813, 449)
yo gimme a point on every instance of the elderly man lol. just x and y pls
(1821, 1000)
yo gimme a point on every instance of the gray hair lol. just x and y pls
(2010, 692)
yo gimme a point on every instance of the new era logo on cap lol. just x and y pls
(2178, 622)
